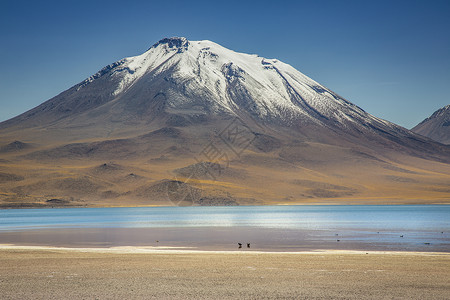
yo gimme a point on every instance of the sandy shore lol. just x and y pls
(151, 272)
(226, 238)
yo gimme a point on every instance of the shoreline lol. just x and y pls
(189, 250)
(44, 206)
(227, 238)
(224, 239)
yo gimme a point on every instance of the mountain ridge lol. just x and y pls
(436, 126)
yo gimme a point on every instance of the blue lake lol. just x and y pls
(397, 227)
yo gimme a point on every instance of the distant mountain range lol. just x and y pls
(437, 126)
(194, 123)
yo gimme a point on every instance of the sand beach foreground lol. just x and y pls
(145, 273)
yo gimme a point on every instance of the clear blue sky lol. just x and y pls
(392, 58)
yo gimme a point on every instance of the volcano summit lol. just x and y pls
(202, 124)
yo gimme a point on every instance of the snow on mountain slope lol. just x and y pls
(437, 126)
(231, 81)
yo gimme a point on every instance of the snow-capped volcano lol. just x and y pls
(123, 135)
(228, 82)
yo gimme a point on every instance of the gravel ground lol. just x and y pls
(32, 273)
